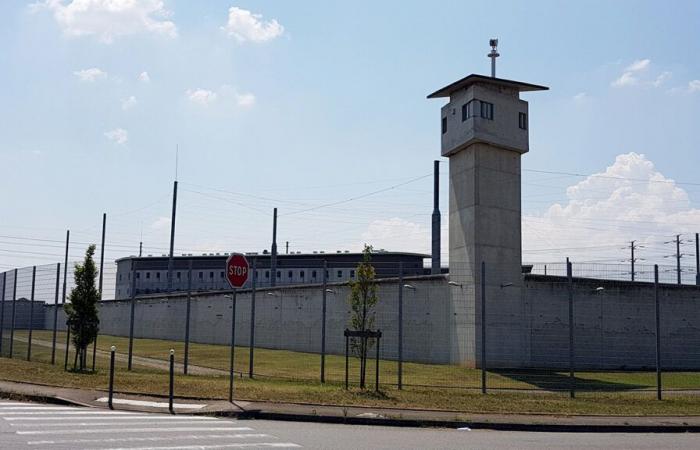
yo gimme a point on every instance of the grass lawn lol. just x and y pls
(284, 365)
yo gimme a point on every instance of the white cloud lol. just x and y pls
(128, 103)
(144, 77)
(245, 100)
(629, 200)
(90, 75)
(397, 234)
(109, 19)
(162, 223)
(581, 97)
(633, 75)
(201, 96)
(638, 65)
(694, 86)
(244, 26)
(118, 136)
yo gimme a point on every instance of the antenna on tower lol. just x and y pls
(177, 151)
(493, 55)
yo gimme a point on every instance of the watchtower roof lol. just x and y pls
(474, 79)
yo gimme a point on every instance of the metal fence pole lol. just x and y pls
(133, 310)
(63, 298)
(171, 391)
(31, 315)
(323, 323)
(658, 332)
(55, 313)
(400, 341)
(376, 370)
(572, 380)
(251, 353)
(187, 318)
(102, 260)
(347, 361)
(233, 346)
(2, 308)
(111, 376)
(14, 301)
(483, 327)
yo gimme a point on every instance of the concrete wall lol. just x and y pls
(22, 315)
(614, 327)
(290, 318)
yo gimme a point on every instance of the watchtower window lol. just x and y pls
(444, 125)
(487, 110)
(522, 121)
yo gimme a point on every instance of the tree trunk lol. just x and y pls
(75, 361)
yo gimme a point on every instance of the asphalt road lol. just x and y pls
(38, 426)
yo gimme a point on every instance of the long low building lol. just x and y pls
(208, 270)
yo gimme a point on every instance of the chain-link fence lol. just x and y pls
(479, 328)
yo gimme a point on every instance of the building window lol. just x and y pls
(120, 277)
(352, 274)
(301, 274)
(465, 111)
(267, 274)
(148, 275)
(178, 275)
(289, 274)
(340, 274)
(444, 125)
(487, 110)
(201, 275)
(211, 275)
(279, 274)
(327, 275)
(138, 275)
(313, 274)
(158, 275)
(221, 274)
(522, 121)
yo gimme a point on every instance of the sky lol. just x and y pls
(320, 109)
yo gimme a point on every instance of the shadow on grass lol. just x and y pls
(557, 381)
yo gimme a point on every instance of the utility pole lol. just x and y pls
(633, 247)
(172, 238)
(273, 253)
(286, 250)
(140, 248)
(678, 257)
(435, 263)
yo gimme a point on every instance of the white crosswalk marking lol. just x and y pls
(47, 426)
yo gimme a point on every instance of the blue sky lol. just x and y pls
(302, 104)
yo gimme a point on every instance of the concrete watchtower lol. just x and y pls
(484, 133)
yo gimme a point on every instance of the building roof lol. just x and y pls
(280, 255)
(474, 78)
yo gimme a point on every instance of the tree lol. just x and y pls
(83, 322)
(363, 298)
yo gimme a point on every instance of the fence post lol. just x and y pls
(347, 360)
(2, 308)
(31, 315)
(63, 299)
(376, 370)
(14, 301)
(483, 327)
(111, 376)
(102, 260)
(55, 313)
(172, 381)
(572, 380)
(658, 332)
(400, 368)
(252, 320)
(323, 324)
(233, 346)
(133, 310)
(187, 318)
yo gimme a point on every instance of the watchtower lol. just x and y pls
(484, 130)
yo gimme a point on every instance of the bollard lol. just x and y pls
(172, 381)
(111, 376)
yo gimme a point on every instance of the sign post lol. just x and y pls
(237, 272)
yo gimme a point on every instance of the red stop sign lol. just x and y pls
(237, 270)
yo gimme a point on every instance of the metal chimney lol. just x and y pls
(493, 55)
(435, 265)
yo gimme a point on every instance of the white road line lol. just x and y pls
(36, 408)
(114, 423)
(133, 430)
(103, 416)
(206, 447)
(152, 439)
(64, 413)
(124, 401)
(14, 404)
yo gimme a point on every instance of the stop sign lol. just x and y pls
(237, 269)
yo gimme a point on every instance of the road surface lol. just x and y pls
(38, 426)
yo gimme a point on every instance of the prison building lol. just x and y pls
(208, 270)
